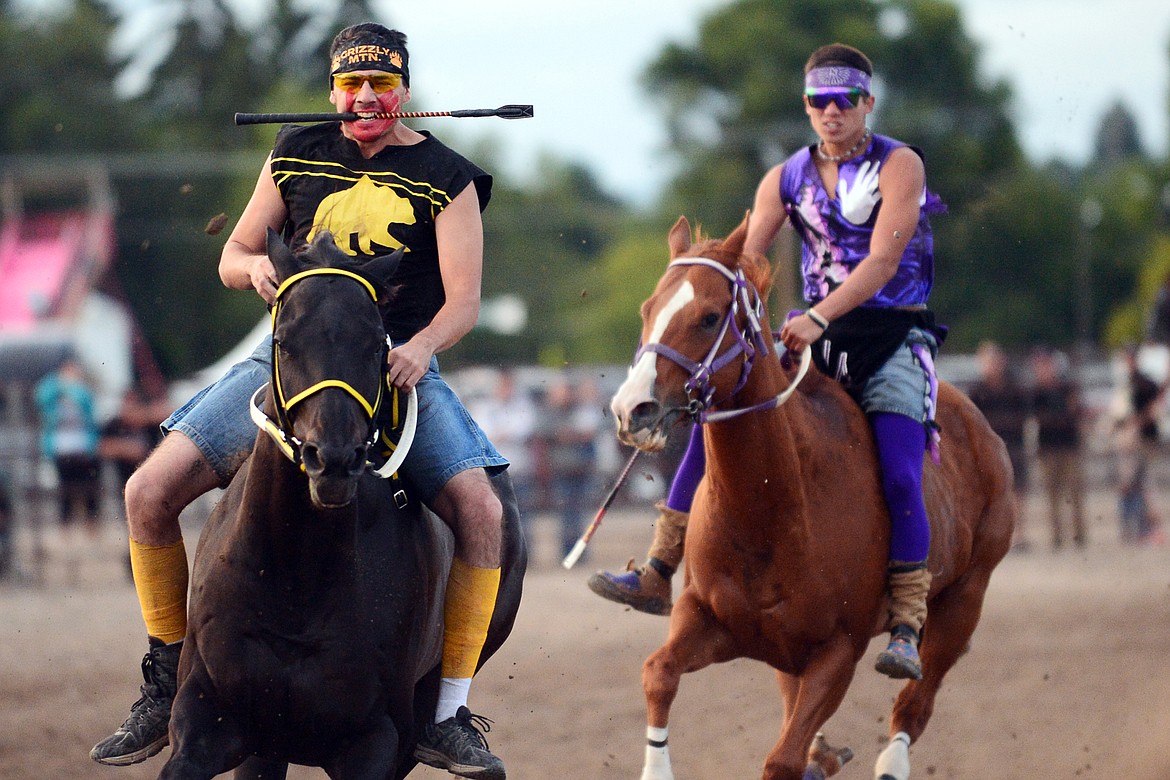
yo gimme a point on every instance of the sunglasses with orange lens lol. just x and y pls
(379, 82)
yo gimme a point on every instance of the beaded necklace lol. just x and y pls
(848, 153)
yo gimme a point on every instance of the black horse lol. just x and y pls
(316, 608)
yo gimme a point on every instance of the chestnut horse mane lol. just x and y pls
(755, 267)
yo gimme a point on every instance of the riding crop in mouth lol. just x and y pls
(504, 112)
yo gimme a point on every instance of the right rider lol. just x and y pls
(859, 203)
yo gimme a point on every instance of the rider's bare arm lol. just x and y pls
(244, 264)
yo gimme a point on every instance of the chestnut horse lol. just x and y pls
(787, 545)
(316, 619)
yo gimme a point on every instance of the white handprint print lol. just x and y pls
(857, 202)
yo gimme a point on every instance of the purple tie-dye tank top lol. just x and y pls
(835, 232)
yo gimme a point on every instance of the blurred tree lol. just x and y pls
(1013, 286)
(1118, 139)
(61, 52)
(540, 242)
(214, 67)
(1130, 318)
(607, 329)
(1128, 252)
(1056, 250)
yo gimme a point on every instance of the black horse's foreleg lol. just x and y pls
(205, 742)
(256, 768)
(370, 756)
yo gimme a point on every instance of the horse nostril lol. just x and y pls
(337, 461)
(311, 457)
(644, 415)
(358, 463)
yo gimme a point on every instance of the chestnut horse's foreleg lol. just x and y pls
(808, 703)
(695, 641)
(953, 615)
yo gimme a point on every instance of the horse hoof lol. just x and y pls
(826, 758)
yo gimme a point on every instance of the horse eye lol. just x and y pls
(709, 321)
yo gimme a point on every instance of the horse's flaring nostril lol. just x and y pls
(644, 415)
(358, 463)
(311, 457)
(322, 458)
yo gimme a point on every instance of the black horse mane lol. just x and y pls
(323, 252)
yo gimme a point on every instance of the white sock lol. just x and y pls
(452, 695)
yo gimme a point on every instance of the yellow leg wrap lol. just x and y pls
(467, 611)
(160, 576)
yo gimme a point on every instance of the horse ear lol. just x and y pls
(381, 269)
(679, 238)
(734, 242)
(326, 252)
(283, 259)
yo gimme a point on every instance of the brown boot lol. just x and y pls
(909, 588)
(646, 588)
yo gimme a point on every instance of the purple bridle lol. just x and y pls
(751, 341)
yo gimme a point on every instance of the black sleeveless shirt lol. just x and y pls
(375, 206)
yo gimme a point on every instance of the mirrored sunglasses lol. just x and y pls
(379, 82)
(844, 98)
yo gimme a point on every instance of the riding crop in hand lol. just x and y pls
(579, 548)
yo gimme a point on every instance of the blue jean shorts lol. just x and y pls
(901, 385)
(447, 441)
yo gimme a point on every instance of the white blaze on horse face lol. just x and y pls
(639, 385)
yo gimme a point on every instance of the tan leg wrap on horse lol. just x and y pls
(908, 592)
(670, 531)
(160, 577)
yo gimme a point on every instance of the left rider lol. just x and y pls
(860, 204)
(376, 185)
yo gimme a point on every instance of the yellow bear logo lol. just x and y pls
(360, 218)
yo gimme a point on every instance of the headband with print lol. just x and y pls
(832, 78)
(370, 54)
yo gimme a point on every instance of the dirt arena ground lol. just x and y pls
(1068, 677)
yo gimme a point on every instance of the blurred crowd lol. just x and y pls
(555, 436)
(555, 429)
(84, 460)
(1036, 403)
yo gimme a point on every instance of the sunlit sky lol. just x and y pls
(578, 62)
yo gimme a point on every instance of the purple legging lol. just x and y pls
(690, 471)
(901, 443)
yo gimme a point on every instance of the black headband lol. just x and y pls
(370, 54)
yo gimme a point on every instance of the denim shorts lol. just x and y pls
(447, 441)
(216, 419)
(901, 385)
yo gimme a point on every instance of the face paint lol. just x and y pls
(365, 130)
